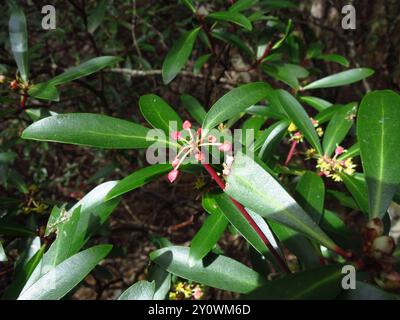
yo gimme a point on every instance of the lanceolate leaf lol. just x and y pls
(178, 55)
(63, 278)
(310, 193)
(96, 16)
(241, 5)
(379, 136)
(138, 179)
(338, 128)
(233, 17)
(317, 103)
(19, 40)
(358, 189)
(92, 130)
(215, 270)
(208, 235)
(141, 290)
(159, 114)
(315, 284)
(193, 106)
(162, 281)
(84, 69)
(341, 79)
(45, 91)
(256, 189)
(300, 118)
(236, 101)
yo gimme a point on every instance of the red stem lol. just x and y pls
(249, 219)
(24, 98)
(291, 152)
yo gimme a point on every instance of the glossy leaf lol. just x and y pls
(194, 107)
(366, 291)
(178, 55)
(200, 62)
(358, 189)
(64, 277)
(315, 284)
(257, 190)
(334, 58)
(3, 256)
(44, 91)
(317, 103)
(341, 79)
(19, 40)
(233, 17)
(138, 179)
(215, 270)
(159, 113)
(207, 237)
(338, 128)
(92, 130)
(300, 118)
(379, 136)
(162, 281)
(288, 30)
(236, 101)
(189, 4)
(141, 290)
(84, 69)
(310, 193)
(286, 72)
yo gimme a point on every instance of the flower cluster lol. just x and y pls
(297, 136)
(332, 167)
(185, 291)
(192, 146)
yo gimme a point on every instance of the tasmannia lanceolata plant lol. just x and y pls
(269, 180)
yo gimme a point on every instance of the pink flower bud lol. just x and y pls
(339, 150)
(199, 131)
(175, 162)
(314, 122)
(172, 175)
(212, 139)
(176, 135)
(225, 147)
(187, 125)
(199, 156)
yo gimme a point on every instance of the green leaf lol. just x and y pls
(315, 284)
(310, 193)
(267, 142)
(14, 229)
(358, 189)
(222, 203)
(84, 69)
(162, 281)
(159, 113)
(338, 128)
(44, 91)
(288, 30)
(233, 17)
(93, 130)
(3, 256)
(334, 58)
(141, 290)
(234, 40)
(337, 229)
(300, 118)
(96, 16)
(200, 62)
(341, 79)
(379, 135)
(352, 152)
(317, 103)
(138, 179)
(189, 4)
(19, 40)
(236, 101)
(286, 72)
(64, 277)
(257, 190)
(215, 270)
(194, 107)
(366, 291)
(178, 55)
(242, 5)
(208, 235)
